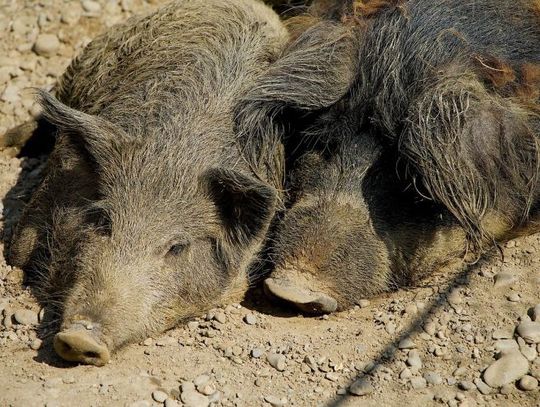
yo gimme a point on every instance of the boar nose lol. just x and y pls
(80, 344)
(295, 293)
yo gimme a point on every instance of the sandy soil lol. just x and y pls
(427, 345)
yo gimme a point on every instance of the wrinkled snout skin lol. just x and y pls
(148, 213)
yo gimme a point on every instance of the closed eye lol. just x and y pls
(177, 249)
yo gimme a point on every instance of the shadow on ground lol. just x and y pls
(388, 353)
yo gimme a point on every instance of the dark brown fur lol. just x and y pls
(428, 155)
(148, 213)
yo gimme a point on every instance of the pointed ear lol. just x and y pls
(97, 136)
(245, 205)
(314, 72)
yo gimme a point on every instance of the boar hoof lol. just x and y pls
(80, 345)
(312, 302)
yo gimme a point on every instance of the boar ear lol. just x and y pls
(245, 205)
(96, 135)
(314, 72)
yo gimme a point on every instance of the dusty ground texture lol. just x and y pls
(428, 345)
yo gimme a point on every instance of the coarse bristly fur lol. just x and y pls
(438, 125)
(148, 214)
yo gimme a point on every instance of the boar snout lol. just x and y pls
(80, 343)
(306, 299)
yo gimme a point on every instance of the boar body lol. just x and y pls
(148, 214)
(417, 148)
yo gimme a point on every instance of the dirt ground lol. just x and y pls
(428, 345)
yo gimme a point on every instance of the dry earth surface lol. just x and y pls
(429, 345)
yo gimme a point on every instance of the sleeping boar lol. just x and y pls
(148, 214)
(412, 133)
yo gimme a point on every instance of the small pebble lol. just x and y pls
(333, 377)
(25, 317)
(418, 383)
(504, 279)
(220, 317)
(507, 388)
(361, 387)
(257, 352)
(46, 45)
(433, 378)
(36, 344)
(482, 387)
(91, 6)
(193, 398)
(430, 328)
(70, 16)
(454, 297)
(406, 343)
(277, 361)
(275, 401)
(405, 374)
(250, 319)
(502, 334)
(530, 331)
(171, 403)
(536, 313)
(413, 360)
(364, 303)
(201, 380)
(529, 352)
(505, 345)
(159, 396)
(528, 383)
(466, 385)
(513, 297)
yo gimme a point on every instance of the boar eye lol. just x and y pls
(177, 249)
(101, 222)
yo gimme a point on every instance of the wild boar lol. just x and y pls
(148, 214)
(412, 130)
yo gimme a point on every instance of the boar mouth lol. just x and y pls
(79, 343)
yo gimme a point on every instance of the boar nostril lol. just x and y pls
(81, 345)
